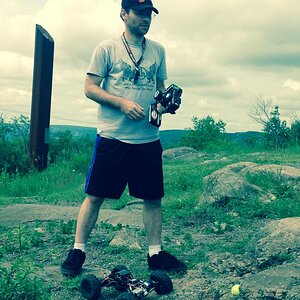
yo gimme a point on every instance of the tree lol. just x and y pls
(261, 111)
(205, 132)
(21, 127)
(295, 132)
(14, 137)
(5, 129)
(61, 145)
(277, 134)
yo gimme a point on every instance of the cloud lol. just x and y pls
(15, 65)
(77, 27)
(292, 84)
(224, 54)
(256, 33)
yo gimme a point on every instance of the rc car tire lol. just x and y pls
(116, 269)
(90, 287)
(126, 296)
(163, 283)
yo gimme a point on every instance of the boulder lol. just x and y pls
(231, 182)
(227, 183)
(285, 177)
(285, 172)
(182, 153)
(278, 242)
(281, 282)
(223, 185)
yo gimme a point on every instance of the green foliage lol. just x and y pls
(20, 239)
(59, 182)
(14, 147)
(206, 132)
(295, 132)
(63, 146)
(20, 282)
(14, 152)
(63, 233)
(277, 134)
(287, 203)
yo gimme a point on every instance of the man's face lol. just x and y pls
(138, 22)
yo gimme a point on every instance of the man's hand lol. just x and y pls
(132, 109)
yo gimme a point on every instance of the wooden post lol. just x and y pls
(41, 98)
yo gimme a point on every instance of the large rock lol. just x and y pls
(284, 177)
(277, 242)
(231, 182)
(223, 185)
(281, 282)
(283, 172)
(227, 183)
(182, 153)
(240, 166)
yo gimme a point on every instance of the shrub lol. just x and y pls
(295, 132)
(206, 132)
(277, 134)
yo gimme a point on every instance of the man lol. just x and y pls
(122, 78)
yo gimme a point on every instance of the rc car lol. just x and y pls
(170, 99)
(123, 281)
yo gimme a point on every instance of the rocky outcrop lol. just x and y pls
(269, 270)
(278, 242)
(233, 182)
(182, 153)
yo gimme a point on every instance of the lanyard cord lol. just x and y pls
(136, 63)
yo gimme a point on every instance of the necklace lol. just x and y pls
(136, 63)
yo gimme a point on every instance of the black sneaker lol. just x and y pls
(166, 262)
(73, 264)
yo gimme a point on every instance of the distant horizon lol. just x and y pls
(175, 129)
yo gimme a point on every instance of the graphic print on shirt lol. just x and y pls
(146, 78)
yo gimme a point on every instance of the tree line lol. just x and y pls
(276, 134)
(206, 134)
(14, 146)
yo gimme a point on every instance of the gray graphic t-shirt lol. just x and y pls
(111, 61)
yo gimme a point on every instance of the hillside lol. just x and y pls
(169, 138)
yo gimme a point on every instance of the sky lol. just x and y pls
(225, 54)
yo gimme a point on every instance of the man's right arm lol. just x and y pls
(94, 92)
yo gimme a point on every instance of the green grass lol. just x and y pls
(227, 228)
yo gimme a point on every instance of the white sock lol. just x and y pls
(80, 246)
(154, 249)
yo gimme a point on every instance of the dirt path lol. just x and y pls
(19, 213)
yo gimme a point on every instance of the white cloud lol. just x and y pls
(77, 27)
(15, 65)
(224, 54)
(292, 84)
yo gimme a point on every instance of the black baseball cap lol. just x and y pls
(138, 5)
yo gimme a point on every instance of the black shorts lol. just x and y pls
(116, 164)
